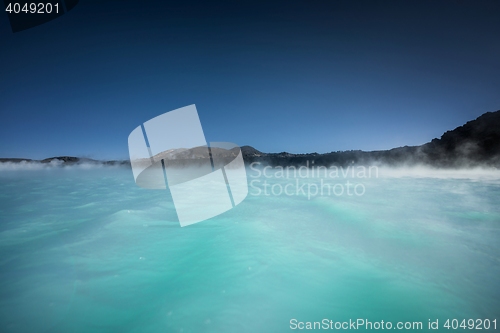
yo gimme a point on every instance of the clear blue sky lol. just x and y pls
(297, 76)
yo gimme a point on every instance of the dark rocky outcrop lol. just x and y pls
(477, 143)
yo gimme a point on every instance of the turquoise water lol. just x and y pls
(86, 250)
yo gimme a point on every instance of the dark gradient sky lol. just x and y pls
(299, 76)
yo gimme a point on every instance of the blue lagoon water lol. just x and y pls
(86, 250)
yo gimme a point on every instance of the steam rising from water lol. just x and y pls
(55, 163)
(417, 171)
(476, 173)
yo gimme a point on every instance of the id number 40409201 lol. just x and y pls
(32, 8)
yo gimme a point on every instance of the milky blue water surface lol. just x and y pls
(86, 250)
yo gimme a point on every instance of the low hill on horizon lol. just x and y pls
(476, 143)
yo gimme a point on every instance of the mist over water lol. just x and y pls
(86, 250)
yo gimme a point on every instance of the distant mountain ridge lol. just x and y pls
(473, 144)
(66, 160)
(476, 143)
